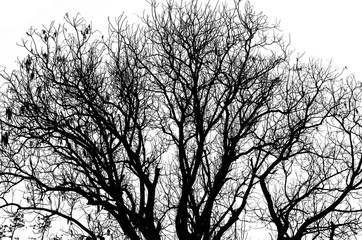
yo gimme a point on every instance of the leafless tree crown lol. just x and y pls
(197, 124)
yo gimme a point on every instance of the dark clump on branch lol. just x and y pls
(9, 113)
(5, 139)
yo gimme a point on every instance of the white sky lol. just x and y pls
(324, 29)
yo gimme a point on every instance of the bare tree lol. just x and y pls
(188, 126)
(213, 83)
(312, 180)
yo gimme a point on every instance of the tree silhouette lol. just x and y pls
(195, 124)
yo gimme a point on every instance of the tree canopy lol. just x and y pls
(196, 124)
